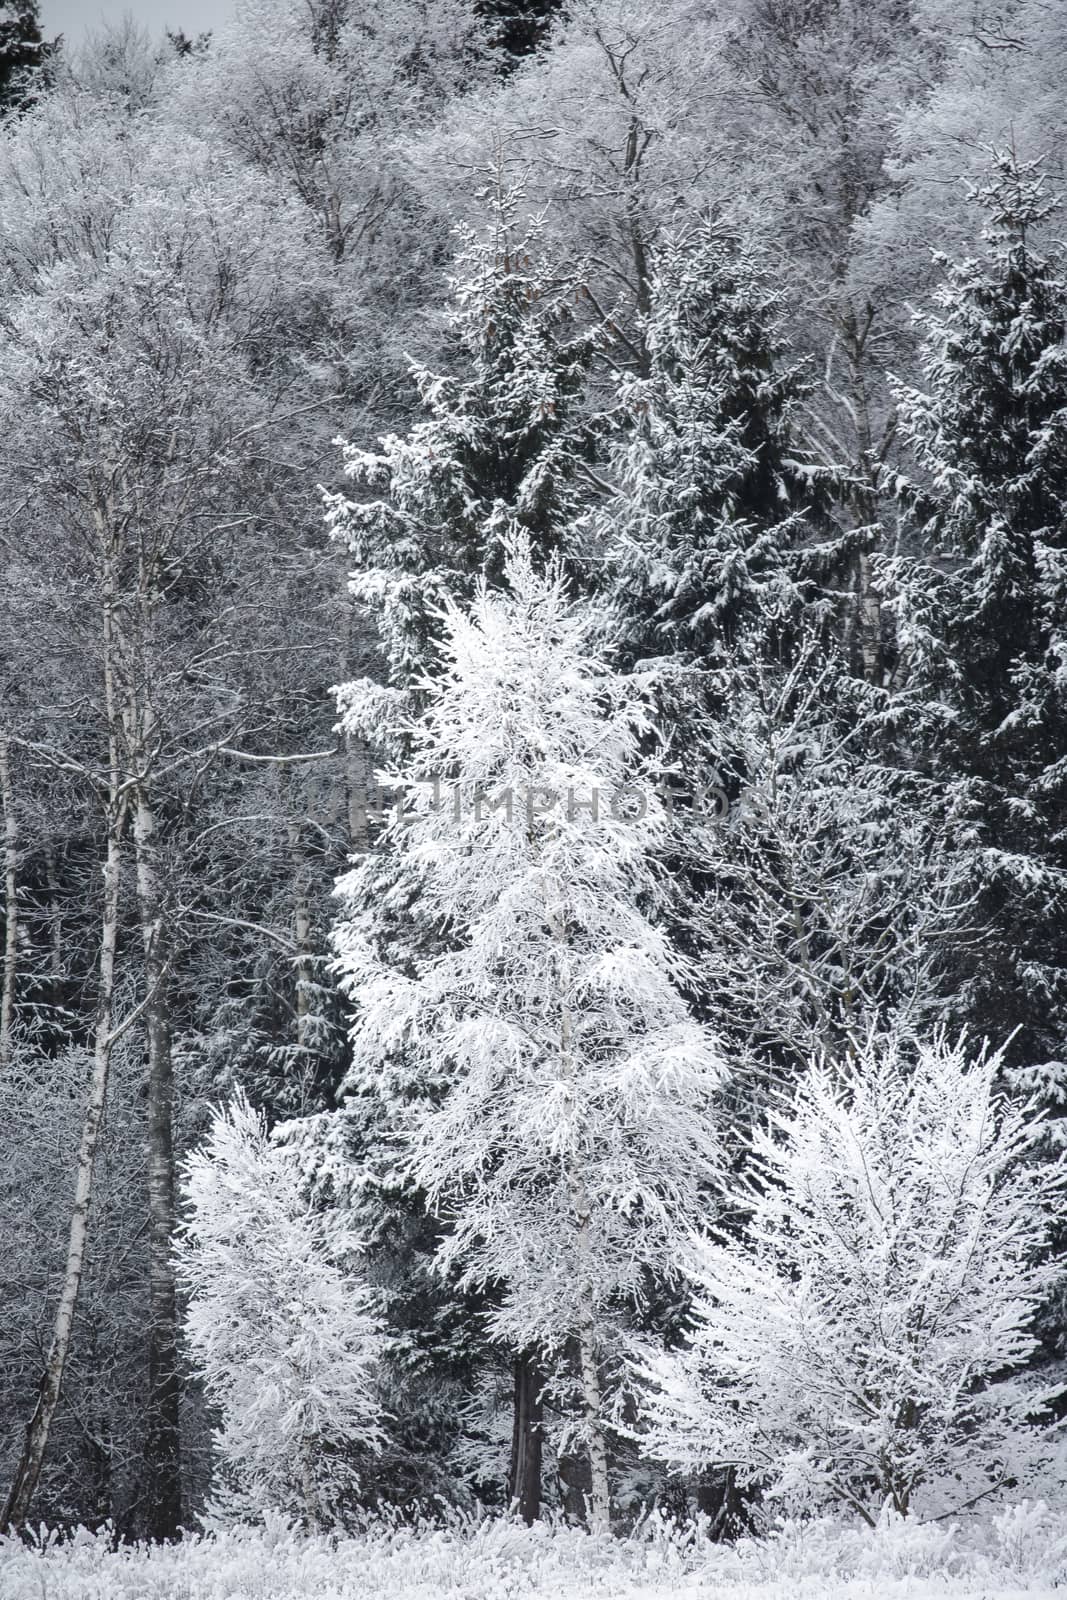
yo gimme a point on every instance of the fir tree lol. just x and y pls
(23, 52)
(569, 1129)
(498, 452)
(712, 533)
(981, 606)
(518, 27)
(497, 449)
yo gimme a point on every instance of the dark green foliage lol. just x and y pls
(518, 27)
(982, 605)
(24, 55)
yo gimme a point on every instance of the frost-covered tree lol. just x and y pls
(827, 895)
(714, 501)
(981, 605)
(720, 555)
(551, 1092)
(498, 447)
(496, 450)
(144, 310)
(23, 52)
(280, 1326)
(863, 1339)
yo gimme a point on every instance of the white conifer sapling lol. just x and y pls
(280, 1327)
(862, 1339)
(554, 1097)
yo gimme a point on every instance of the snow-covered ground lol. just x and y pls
(1024, 1552)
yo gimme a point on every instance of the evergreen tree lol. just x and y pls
(723, 556)
(497, 450)
(571, 1127)
(518, 27)
(498, 453)
(23, 52)
(981, 605)
(713, 532)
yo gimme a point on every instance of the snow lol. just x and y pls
(1021, 1553)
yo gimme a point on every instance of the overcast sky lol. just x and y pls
(76, 18)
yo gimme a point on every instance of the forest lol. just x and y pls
(533, 778)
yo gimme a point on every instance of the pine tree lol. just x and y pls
(564, 1127)
(864, 1339)
(498, 449)
(722, 555)
(712, 535)
(23, 52)
(518, 27)
(981, 606)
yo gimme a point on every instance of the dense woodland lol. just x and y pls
(533, 760)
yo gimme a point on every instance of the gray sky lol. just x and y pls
(76, 18)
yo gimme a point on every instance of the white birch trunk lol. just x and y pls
(163, 1442)
(28, 1470)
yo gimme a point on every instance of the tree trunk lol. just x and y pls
(599, 1494)
(28, 1470)
(524, 1476)
(303, 969)
(162, 1447)
(599, 1501)
(55, 932)
(870, 621)
(11, 908)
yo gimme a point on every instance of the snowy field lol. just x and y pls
(1024, 1552)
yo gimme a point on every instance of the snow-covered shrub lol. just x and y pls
(860, 1340)
(496, 1559)
(1029, 1541)
(280, 1326)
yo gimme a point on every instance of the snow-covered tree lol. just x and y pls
(23, 52)
(981, 605)
(498, 447)
(828, 896)
(863, 1338)
(496, 450)
(714, 499)
(280, 1325)
(551, 1092)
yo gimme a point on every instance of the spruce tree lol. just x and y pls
(518, 27)
(723, 556)
(498, 453)
(496, 450)
(714, 532)
(572, 1128)
(981, 603)
(23, 52)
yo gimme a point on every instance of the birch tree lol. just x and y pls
(141, 302)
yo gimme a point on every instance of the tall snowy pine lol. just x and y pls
(499, 451)
(808, 900)
(713, 533)
(982, 605)
(496, 451)
(23, 52)
(571, 1135)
